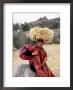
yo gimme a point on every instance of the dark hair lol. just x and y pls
(33, 42)
(40, 40)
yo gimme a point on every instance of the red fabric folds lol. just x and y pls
(22, 50)
(38, 60)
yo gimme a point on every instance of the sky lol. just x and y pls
(29, 17)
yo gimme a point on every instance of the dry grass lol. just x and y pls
(53, 60)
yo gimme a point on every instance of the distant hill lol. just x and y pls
(41, 22)
(45, 22)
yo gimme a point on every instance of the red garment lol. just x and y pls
(38, 60)
(22, 50)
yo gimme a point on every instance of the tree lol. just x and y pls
(15, 27)
(25, 26)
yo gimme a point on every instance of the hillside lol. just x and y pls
(45, 22)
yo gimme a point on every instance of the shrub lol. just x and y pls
(21, 39)
(25, 27)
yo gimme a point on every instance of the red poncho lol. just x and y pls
(38, 60)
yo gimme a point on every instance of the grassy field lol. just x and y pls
(53, 60)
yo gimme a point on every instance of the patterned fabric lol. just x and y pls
(41, 70)
(38, 61)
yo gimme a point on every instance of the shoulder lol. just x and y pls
(32, 48)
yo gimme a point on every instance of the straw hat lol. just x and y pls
(44, 34)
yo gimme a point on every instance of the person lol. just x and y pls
(38, 64)
(39, 56)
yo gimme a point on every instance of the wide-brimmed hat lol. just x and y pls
(38, 33)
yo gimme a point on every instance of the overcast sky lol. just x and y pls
(28, 17)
